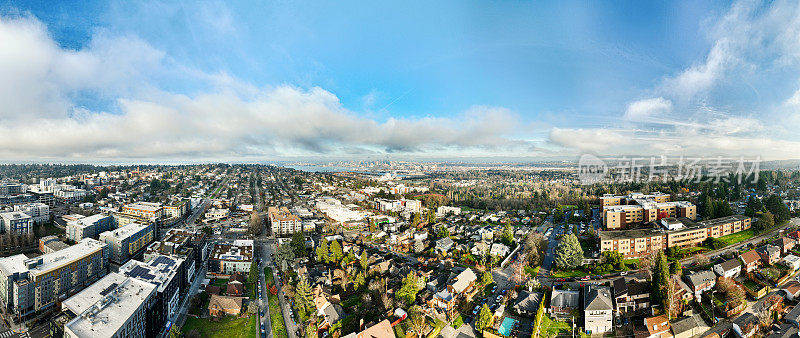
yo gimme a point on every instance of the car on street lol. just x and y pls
(584, 278)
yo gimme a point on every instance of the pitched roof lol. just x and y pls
(729, 265)
(225, 303)
(701, 277)
(792, 287)
(597, 298)
(381, 330)
(684, 325)
(464, 279)
(564, 298)
(749, 257)
(620, 287)
(657, 324)
(783, 241)
(528, 301)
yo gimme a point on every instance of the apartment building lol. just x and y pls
(39, 212)
(621, 212)
(283, 222)
(16, 222)
(144, 209)
(193, 246)
(115, 306)
(227, 258)
(166, 273)
(670, 232)
(176, 209)
(32, 285)
(90, 227)
(128, 240)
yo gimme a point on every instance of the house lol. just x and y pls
(630, 295)
(331, 314)
(792, 261)
(687, 327)
(794, 234)
(701, 281)
(479, 248)
(222, 305)
(464, 282)
(527, 303)
(212, 289)
(499, 249)
(745, 326)
(235, 288)
(562, 302)
(769, 253)
(784, 331)
(381, 330)
(728, 269)
(791, 290)
(793, 317)
(658, 327)
(597, 310)
(785, 244)
(751, 260)
(444, 245)
(684, 291)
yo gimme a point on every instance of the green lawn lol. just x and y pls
(737, 237)
(552, 328)
(571, 273)
(228, 327)
(275, 314)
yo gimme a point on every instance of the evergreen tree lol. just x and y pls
(336, 251)
(303, 294)
(322, 251)
(484, 318)
(660, 277)
(364, 261)
(568, 253)
(486, 278)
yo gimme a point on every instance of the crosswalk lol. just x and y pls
(10, 334)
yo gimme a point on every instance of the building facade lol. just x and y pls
(90, 227)
(28, 286)
(283, 222)
(128, 240)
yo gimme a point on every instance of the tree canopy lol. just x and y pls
(568, 253)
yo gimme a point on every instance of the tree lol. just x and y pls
(484, 318)
(518, 275)
(779, 210)
(765, 222)
(359, 280)
(486, 278)
(508, 235)
(613, 257)
(535, 247)
(284, 257)
(336, 251)
(364, 261)
(255, 223)
(701, 259)
(676, 268)
(298, 244)
(303, 294)
(660, 279)
(418, 322)
(322, 251)
(174, 332)
(252, 308)
(568, 253)
(252, 276)
(408, 291)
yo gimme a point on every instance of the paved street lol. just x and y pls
(291, 327)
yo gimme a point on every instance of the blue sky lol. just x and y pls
(255, 80)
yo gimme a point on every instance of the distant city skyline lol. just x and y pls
(152, 82)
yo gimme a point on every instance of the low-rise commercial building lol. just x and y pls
(31, 285)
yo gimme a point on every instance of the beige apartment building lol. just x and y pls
(283, 222)
(670, 232)
(620, 212)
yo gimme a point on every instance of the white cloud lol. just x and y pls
(592, 140)
(646, 108)
(38, 116)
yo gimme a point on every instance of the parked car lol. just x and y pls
(623, 273)
(585, 278)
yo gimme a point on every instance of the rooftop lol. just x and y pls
(232, 252)
(126, 231)
(145, 206)
(50, 261)
(159, 271)
(106, 305)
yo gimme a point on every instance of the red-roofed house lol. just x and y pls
(785, 244)
(751, 260)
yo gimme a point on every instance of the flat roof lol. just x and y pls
(160, 270)
(105, 306)
(50, 261)
(147, 206)
(126, 231)
(87, 221)
(723, 220)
